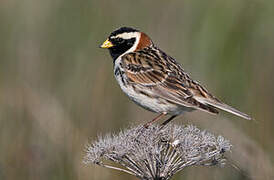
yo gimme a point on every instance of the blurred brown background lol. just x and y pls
(58, 92)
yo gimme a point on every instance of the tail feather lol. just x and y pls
(223, 107)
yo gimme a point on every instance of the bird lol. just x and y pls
(155, 80)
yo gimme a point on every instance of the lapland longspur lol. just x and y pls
(155, 80)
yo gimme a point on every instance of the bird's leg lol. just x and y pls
(154, 120)
(145, 126)
(168, 120)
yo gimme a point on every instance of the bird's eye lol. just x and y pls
(120, 40)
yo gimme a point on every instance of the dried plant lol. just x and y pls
(158, 152)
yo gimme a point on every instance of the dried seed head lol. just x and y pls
(158, 153)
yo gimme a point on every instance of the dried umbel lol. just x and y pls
(158, 152)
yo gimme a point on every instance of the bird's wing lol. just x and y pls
(162, 80)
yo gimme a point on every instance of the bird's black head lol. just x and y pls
(122, 40)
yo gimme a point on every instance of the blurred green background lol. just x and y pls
(58, 92)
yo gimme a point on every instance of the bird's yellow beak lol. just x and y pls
(107, 44)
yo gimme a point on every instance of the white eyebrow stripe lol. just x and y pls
(128, 35)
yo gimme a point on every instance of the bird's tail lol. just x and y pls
(223, 107)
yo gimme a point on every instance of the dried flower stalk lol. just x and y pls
(157, 153)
